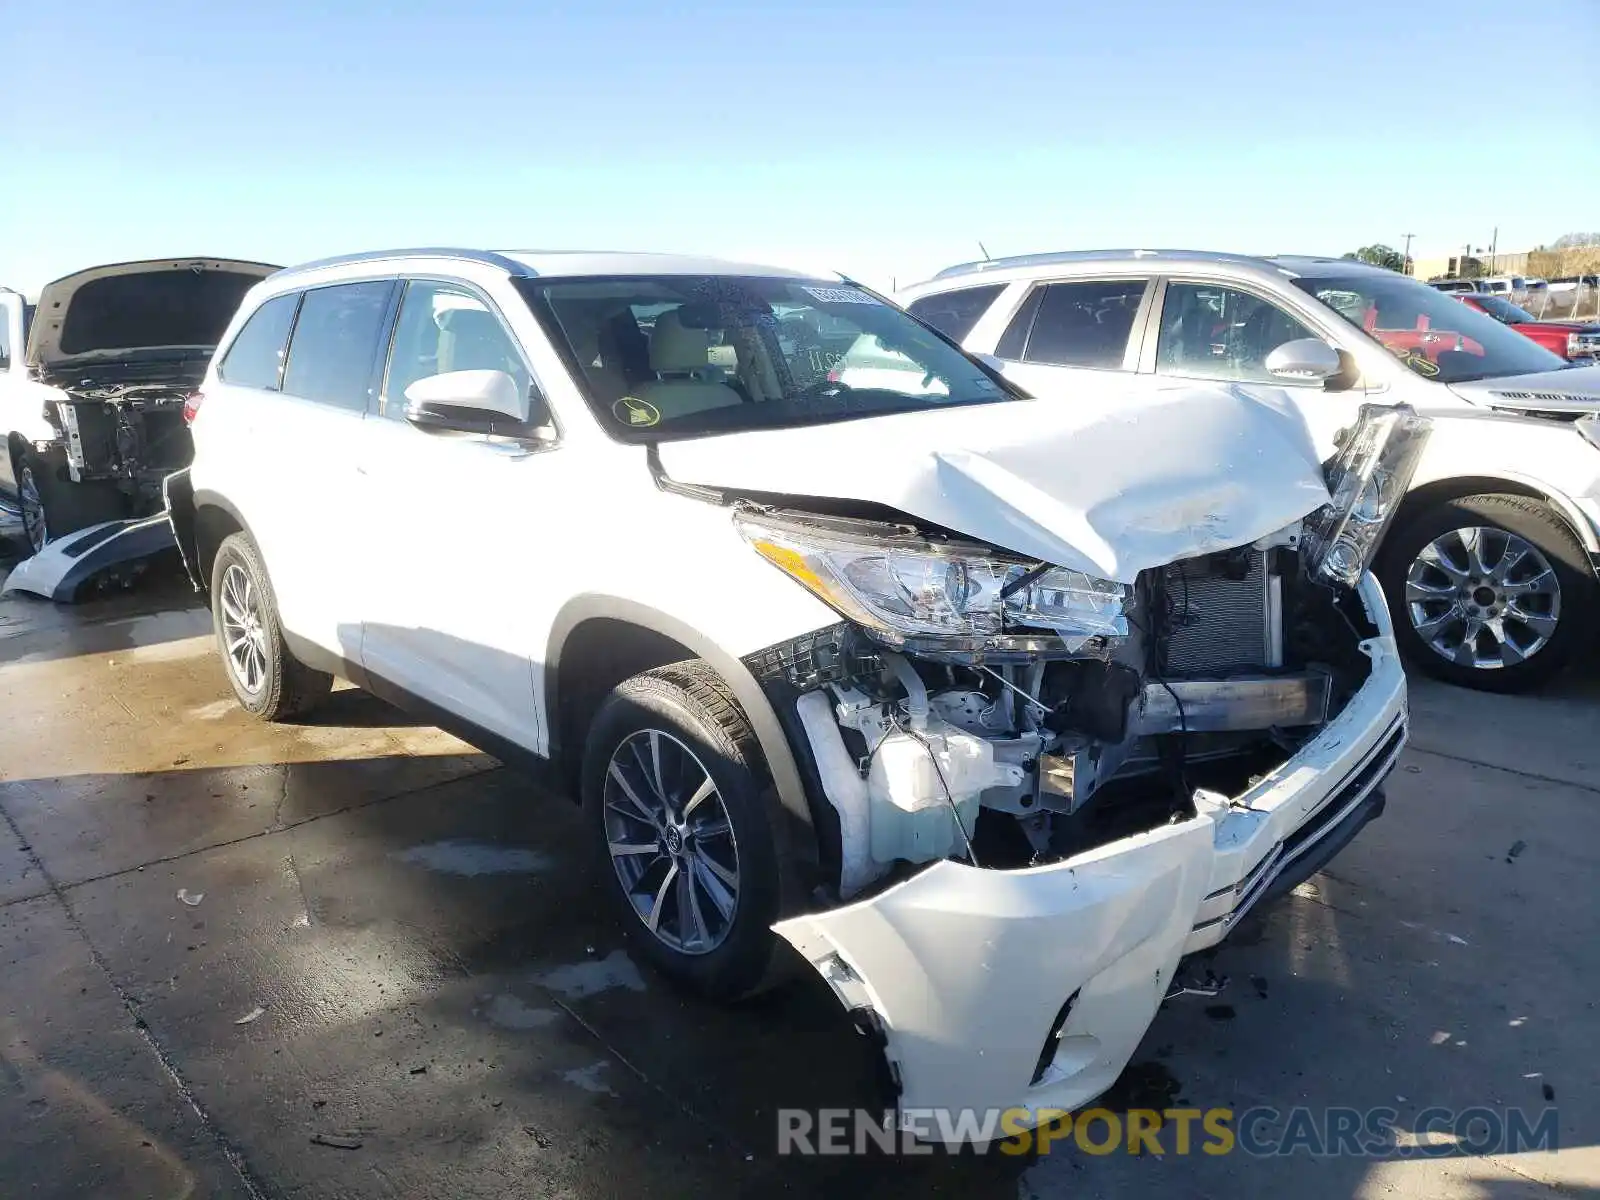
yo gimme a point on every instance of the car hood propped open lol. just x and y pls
(147, 308)
(1171, 474)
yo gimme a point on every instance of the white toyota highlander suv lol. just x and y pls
(992, 708)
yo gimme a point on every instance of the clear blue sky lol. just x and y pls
(883, 138)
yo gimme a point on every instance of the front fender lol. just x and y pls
(764, 721)
(1535, 455)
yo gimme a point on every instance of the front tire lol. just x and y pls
(269, 681)
(1493, 592)
(686, 832)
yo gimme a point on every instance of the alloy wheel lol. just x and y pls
(1483, 597)
(243, 633)
(670, 841)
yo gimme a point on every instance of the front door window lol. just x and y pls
(1213, 332)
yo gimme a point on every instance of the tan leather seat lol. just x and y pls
(679, 356)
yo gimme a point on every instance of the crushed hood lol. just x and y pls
(103, 313)
(1171, 474)
(1574, 390)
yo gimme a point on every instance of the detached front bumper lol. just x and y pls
(1031, 989)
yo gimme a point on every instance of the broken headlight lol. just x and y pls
(1367, 480)
(903, 589)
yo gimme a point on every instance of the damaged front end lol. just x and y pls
(1050, 786)
(124, 423)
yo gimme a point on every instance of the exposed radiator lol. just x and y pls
(1222, 624)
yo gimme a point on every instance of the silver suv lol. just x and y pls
(1492, 560)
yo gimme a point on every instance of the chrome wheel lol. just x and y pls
(33, 523)
(1482, 597)
(243, 634)
(670, 841)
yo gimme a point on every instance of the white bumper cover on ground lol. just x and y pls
(968, 970)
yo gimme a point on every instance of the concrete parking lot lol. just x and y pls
(355, 957)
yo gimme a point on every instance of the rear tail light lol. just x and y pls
(191, 406)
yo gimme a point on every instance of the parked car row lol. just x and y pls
(1573, 340)
(1566, 295)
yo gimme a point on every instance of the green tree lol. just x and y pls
(1379, 255)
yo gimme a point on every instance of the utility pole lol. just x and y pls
(1494, 245)
(1405, 256)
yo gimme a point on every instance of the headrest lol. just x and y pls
(675, 348)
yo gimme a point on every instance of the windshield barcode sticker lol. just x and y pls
(840, 295)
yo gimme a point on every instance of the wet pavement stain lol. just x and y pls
(1143, 1085)
(471, 859)
(575, 981)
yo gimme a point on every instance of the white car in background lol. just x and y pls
(992, 708)
(1491, 568)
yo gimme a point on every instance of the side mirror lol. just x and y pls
(1306, 360)
(483, 391)
(481, 402)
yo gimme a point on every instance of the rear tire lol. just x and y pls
(269, 681)
(672, 734)
(1534, 622)
(53, 505)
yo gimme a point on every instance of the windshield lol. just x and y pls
(1434, 334)
(1505, 311)
(672, 356)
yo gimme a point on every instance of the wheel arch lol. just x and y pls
(214, 517)
(1455, 487)
(598, 641)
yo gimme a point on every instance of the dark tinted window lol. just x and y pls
(335, 344)
(256, 355)
(955, 313)
(1084, 324)
(1016, 335)
(446, 328)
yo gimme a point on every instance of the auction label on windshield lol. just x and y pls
(840, 295)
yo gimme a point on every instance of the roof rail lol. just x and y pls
(487, 257)
(1054, 257)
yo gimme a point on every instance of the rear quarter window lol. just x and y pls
(255, 359)
(955, 313)
(1084, 324)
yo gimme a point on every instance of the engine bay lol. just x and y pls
(1229, 663)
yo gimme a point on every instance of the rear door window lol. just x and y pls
(333, 356)
(255, 359)
(1082, 323)
(955, 313)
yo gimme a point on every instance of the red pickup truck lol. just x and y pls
(1570, 339)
